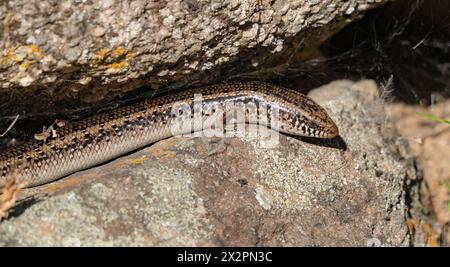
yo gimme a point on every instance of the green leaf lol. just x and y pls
(447, 183)
(432, 118)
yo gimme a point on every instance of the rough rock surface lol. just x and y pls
(91, 50)
(241, 191)
(430, 143)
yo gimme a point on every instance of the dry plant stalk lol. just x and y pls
(8, 195)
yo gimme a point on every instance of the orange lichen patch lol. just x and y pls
(119, 51)
(129, 55)
(410, 225)
(117, 65)
(138, 161)
(163, 154)
(35, 50)
(25, 64)
(135, 161)
(163, 149)
(417, 222)
(112, 59)
(63, 184)
(10, 56)
(98, 58)
(102, 54)
(430, 239)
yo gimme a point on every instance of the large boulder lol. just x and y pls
(241, 191)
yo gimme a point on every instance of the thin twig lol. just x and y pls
(10, 126)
